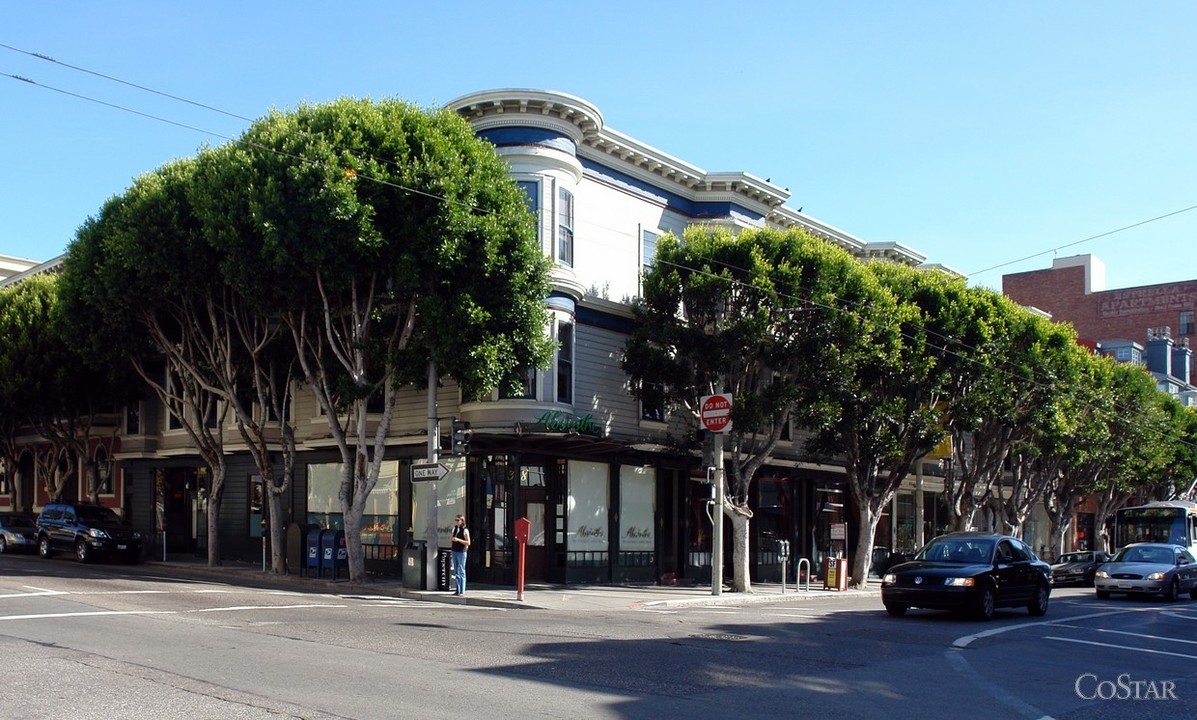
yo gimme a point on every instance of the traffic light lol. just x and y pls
(461, 438)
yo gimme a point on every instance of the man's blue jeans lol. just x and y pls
(459, 577)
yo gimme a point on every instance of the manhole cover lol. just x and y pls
(719, 636)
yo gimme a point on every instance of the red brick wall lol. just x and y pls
(1124, 314)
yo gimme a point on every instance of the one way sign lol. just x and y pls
(424, 472)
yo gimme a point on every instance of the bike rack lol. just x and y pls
(798, 573)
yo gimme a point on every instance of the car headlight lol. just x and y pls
(1102, 574)
(97, 533)
(889, 579)
(959, 582)
(136, 536)
(1157, 576)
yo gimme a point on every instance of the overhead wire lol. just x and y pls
(401, 187)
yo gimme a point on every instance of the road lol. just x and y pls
(99, 641)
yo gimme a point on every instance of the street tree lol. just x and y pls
(888, 412)
(1004, 393)
(771, 317)
(385, 239)
(55, 386)
(143, 270)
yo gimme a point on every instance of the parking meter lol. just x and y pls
(523, 528)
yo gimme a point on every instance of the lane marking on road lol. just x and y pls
(1148, 651)
(966, 640)
(97, 613)
(1127, 632)
(39, 593)
(265, 607)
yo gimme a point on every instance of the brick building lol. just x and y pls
(1073, 291)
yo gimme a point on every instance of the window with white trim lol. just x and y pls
(565, 227)
(531, 189)
(565, 361)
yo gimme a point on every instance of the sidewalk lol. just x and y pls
(538, 596)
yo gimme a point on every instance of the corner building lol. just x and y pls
(590, 467)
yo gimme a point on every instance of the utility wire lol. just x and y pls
(944, 347)
(1088, 239)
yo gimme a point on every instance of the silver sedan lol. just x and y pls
(1148, 569)
(18, 531)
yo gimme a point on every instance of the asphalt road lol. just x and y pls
(100, 641)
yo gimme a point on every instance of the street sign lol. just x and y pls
(424, 472)
(715, 412)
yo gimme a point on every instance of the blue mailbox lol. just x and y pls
(333, 554)
(312, 552)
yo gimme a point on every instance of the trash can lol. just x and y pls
(333, 554)
(311, 553)
(444, 569)
(415, 565)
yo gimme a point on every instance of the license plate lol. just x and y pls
(122, 547)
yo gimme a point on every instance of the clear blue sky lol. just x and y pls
(976, 133)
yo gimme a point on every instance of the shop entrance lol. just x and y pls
(533, 504)
(179, 512)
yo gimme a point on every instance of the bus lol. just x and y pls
(1166, 521)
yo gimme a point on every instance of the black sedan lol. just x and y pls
(1077, 567)
(969, 572)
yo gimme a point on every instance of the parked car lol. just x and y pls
(89, 531)
(18, 531)
(1077, 567)
(1149, 569)
(969, 572)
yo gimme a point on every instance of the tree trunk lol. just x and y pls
(214, 498)
(865, 534)
(741, 580)
(278, 537)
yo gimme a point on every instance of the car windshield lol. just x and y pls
(95, 514)
(958, 550)
(1076, 557)
(1156, 555)
(10, 519)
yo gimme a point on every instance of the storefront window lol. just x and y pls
(380, 519)
(637, 510)
(587, 513)
(450, 501)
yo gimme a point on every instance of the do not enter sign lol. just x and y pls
(715, 412)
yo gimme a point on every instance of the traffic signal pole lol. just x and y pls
(434, 447)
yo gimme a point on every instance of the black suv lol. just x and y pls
(89, 531)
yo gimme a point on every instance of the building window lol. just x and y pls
(652, 402)
(565, 361)
(133, 419)
(531, 189)
(527, 389)
(1186, 322)
(648, 253)
(565, 227)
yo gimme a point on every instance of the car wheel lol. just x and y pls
(900, 610)
(1038, 606)
(1173, 590)
(985, 603)
(1103, 594)
(43, 547)
(82, 551)
(3, 545)
(1193, 594)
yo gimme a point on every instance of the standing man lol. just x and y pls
(460, 540)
